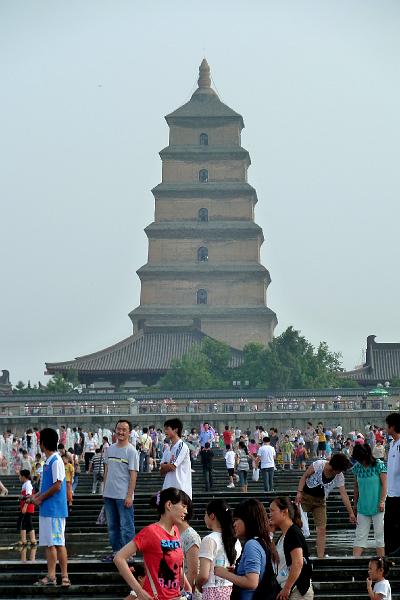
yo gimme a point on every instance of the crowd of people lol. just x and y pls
(238, 559)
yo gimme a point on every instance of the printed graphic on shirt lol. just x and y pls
(168, 570)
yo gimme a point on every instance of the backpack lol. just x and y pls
(268, 588)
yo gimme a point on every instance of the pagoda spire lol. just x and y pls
(204, 80)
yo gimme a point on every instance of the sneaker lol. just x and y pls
(108, 559)
(230, 485)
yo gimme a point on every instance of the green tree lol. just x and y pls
(189, 373)
(218, 356)
(58, 385)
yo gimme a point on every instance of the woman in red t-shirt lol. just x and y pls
(160, 545)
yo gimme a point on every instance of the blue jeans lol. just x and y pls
(268, 478)
(120, 523)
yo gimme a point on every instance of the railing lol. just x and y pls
(171, 406)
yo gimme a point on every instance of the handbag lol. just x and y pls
(256, 474)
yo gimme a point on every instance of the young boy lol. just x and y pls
(53, 510)
(287, 449)
(24, 523)
(301, 456)
(230, 465)
(175, 462)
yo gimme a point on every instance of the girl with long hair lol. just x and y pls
(160, 545)
(220, 547)
(251, 526)
(294, 567)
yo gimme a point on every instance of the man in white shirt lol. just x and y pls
(175, 462)
(266, 458)
(230, 465)
(392, 504)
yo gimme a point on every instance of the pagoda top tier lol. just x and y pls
(204, 102)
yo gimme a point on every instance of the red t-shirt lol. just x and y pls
(163, 557)
(227, 435)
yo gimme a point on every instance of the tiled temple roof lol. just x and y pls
(143, 352)
(382, 363)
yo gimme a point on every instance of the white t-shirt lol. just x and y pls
(393, 469)
(212, 548)
(315, 479)
(27, 488)
(339, 430)
(230, 459)
(181, 478)
(383, 587)
(267, 455)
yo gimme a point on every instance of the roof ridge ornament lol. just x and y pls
(204, 80)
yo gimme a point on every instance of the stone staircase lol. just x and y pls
(340, 576)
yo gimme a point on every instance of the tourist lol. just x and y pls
(77, 469)
(294, 569)
(206, 435)
(378, 587)
(190, 541)
(53, 510)
(370, 488)
(160, 545)
(69, 476)
(27, 509)
(175, 462)
(227, 435)
(321, 441)
(121, 462)
(242, 465)
(96, 467)
(88, 449)
(250, 524)
(266, 460)
(230, 465)
(314, 487)
(301, 455)
(378, 451)
(392, 505)
(219, 548)
(145, 451)
(287, 451)
(206, 458)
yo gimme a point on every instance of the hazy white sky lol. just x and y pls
(84, 88)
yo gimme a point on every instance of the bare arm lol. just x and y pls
(38, 498)
(294, 573)
(383, 478)
(302, 483)
(355, 494)
(204, 573)
(247, 582)
(131, 488)
(192, 564)
(346, 502)
(121, 562)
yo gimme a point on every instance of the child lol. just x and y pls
(230, 465)
(301, 456)
(24, 523)
(69, 476)
(378, 567)
(287, 449)
(52, 500)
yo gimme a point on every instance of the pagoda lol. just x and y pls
(203, 276)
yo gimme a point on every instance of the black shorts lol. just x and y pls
(322, 446)
(231, 472)
(24, 522)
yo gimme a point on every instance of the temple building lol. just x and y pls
(382, 364)
(203, 276)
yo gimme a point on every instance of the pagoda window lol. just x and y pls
(203, 139)
(203, 215)
(203, 176)
(201, 297)
(202, 254)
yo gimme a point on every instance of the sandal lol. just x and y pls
(65, 582)
(45, 582)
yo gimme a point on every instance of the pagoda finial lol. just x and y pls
(204, 80)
